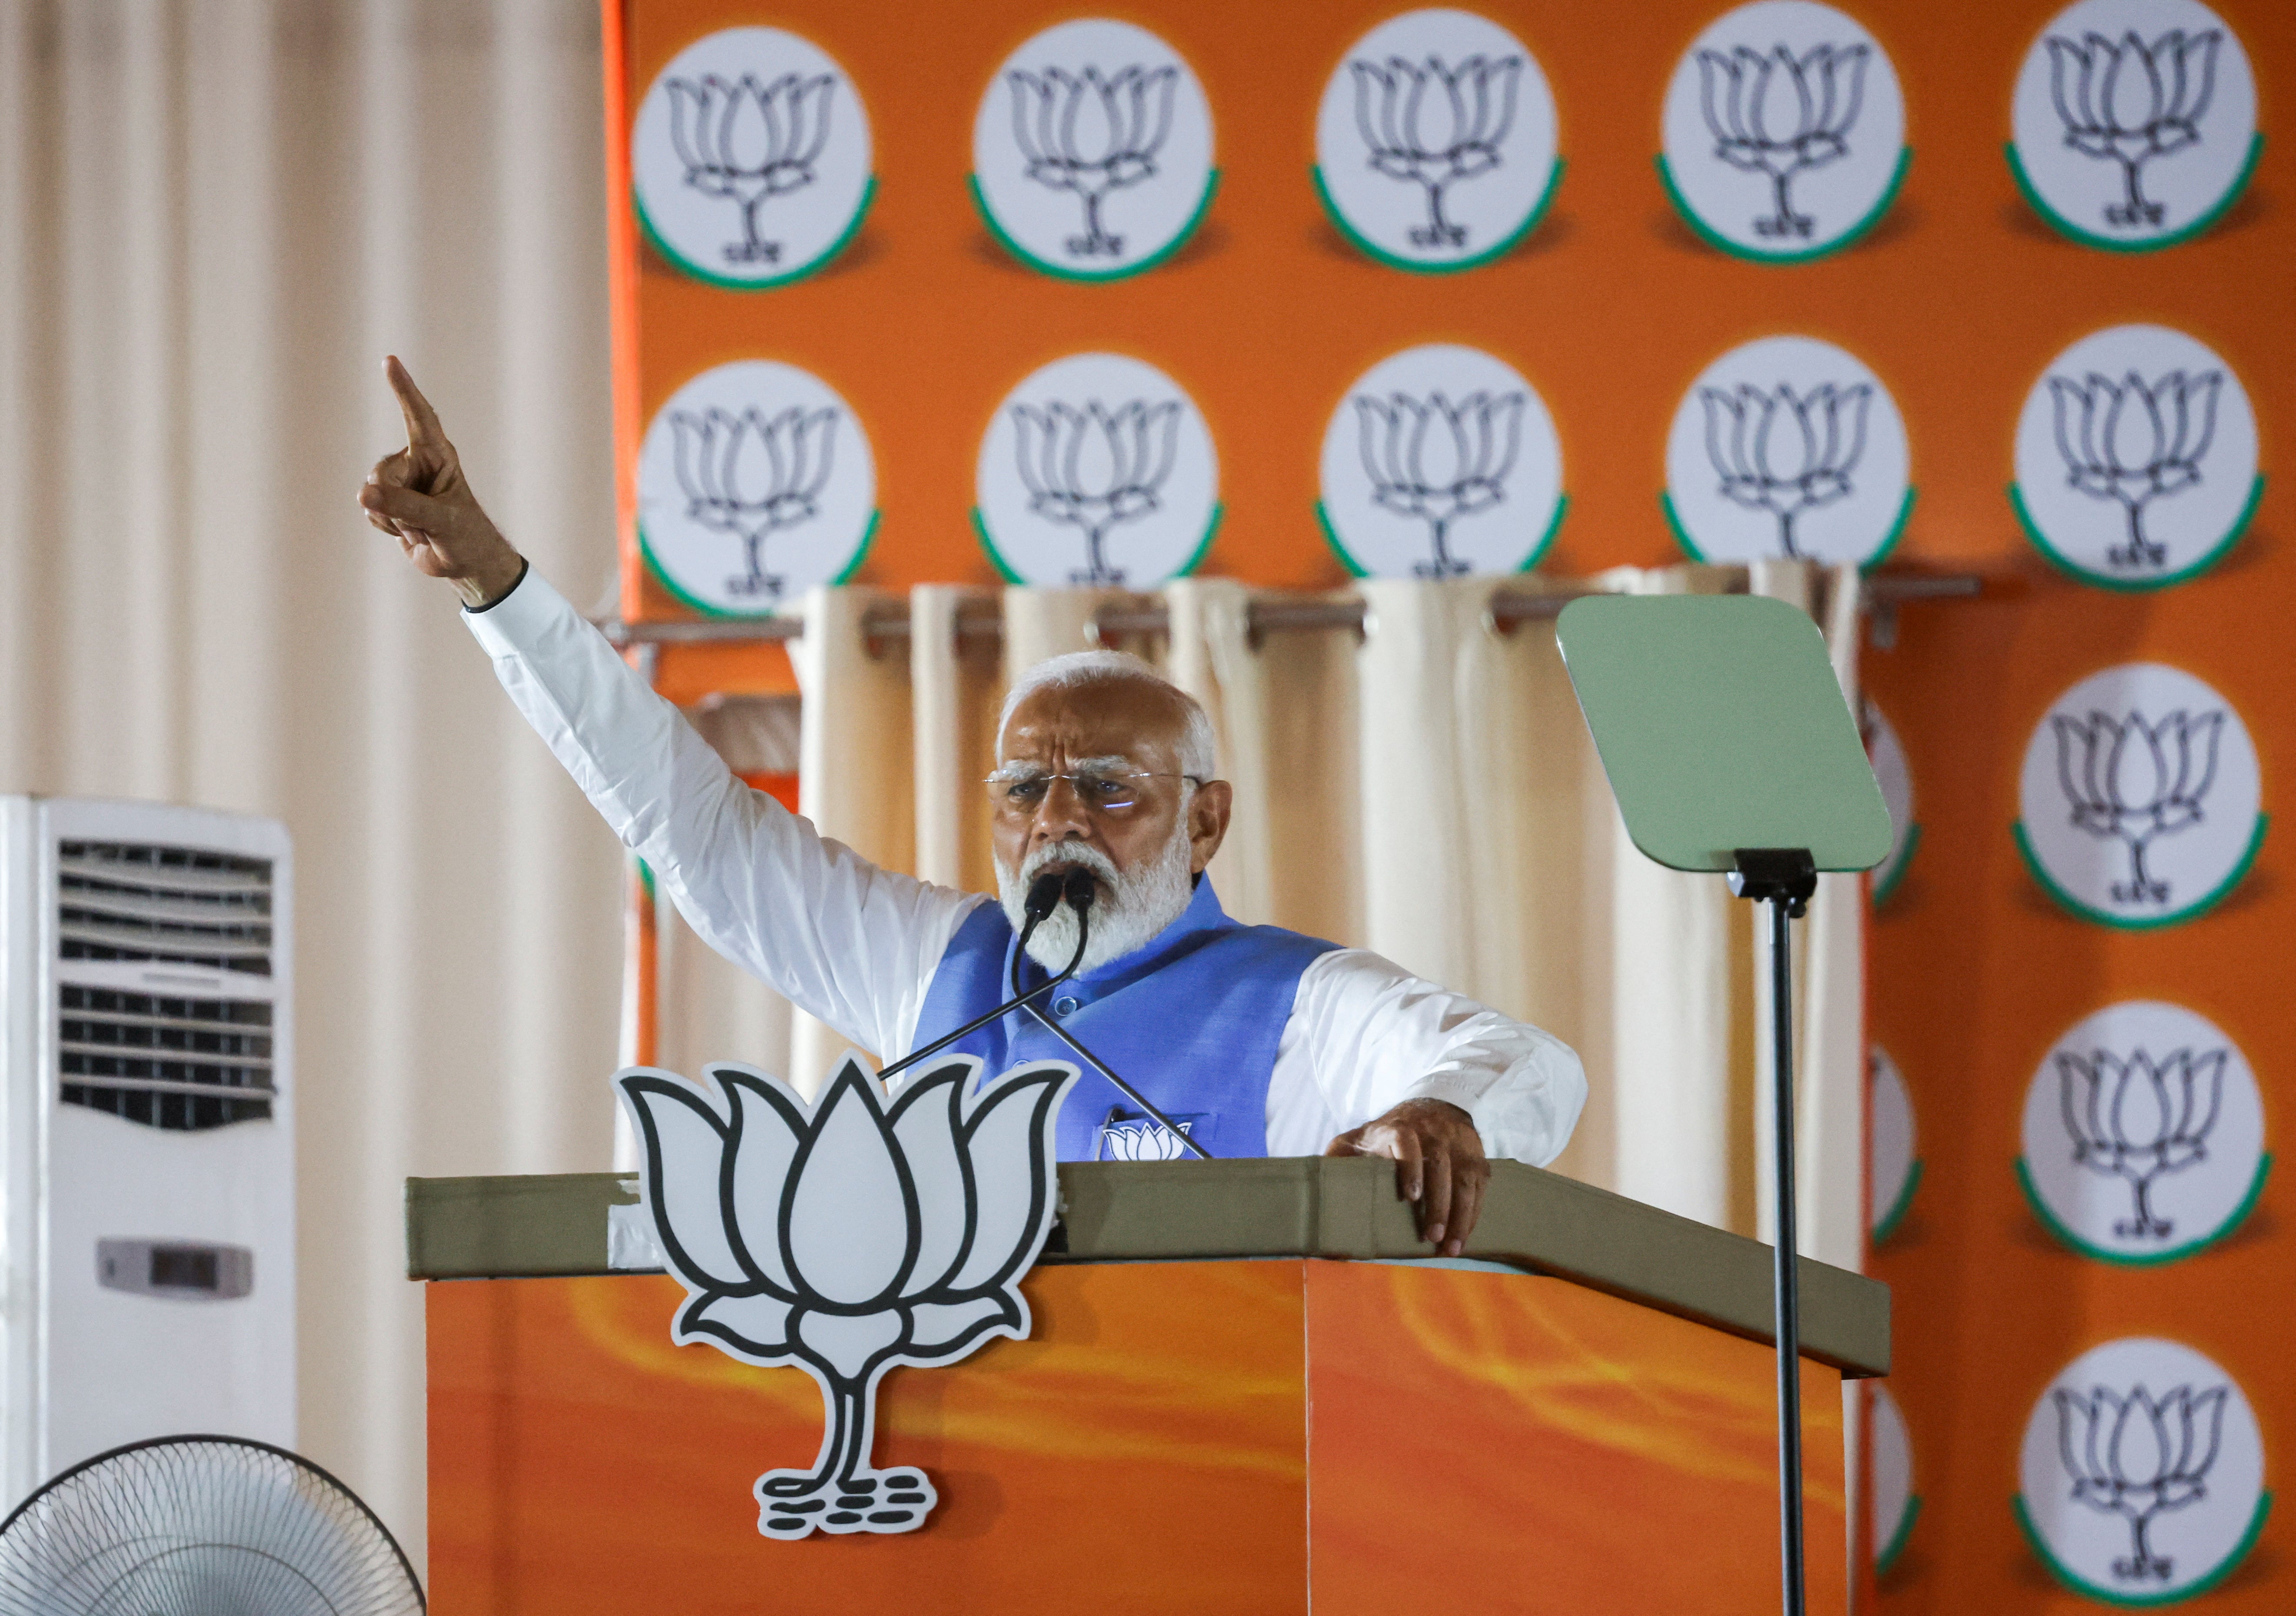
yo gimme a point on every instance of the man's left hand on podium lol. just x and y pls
(1439, 1165)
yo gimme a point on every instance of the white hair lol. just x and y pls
(1198, 752)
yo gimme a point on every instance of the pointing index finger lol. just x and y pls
(423, 428)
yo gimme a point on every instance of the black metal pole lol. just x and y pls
(1785, 1284)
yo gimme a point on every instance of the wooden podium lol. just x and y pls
(1237, 1397)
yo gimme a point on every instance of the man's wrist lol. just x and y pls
(482, 592)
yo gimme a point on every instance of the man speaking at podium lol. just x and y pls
(1255, 1040)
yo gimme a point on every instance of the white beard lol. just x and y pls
(1141, 903)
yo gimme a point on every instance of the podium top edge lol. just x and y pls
(553, 1225)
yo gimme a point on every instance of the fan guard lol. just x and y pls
(200, 1526)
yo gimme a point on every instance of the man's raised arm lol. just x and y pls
(844, 940)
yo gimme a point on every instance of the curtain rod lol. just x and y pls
(985, 621)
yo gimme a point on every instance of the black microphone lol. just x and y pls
(1044, 895)
(1078, 893)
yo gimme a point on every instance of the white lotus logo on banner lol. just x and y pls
(755, 484)
(1435, 142)
(1784, 131)
(1092, 151)
(1788, 447)
(750, 157)
(1893, 1143)
(1896, 776)
(847, 1237)
(1439, 462)
(2142, 1473)
(2136, 458)
(1895, 1504)
(2133, 123)
(1097, 471)
(2140, 800)
(2144, 1135)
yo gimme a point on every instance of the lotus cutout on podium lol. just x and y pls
(847, 1237)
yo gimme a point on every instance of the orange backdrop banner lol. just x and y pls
(2071, 278)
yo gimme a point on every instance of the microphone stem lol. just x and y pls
(978, 1021)
(1130, 1093)
(1084, 931)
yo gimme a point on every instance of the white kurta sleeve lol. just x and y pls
(840, 939)
(1366, 1035)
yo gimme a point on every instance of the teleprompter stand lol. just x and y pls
(1731, 750)
(1785, 879)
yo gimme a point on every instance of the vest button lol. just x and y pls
(1065, 1006)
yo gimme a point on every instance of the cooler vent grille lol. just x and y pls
(181, 1064)
(187, 905)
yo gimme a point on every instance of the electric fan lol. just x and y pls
(200, 1526)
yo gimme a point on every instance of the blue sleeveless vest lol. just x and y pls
(1191, 1020)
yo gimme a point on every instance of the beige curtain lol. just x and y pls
(214, 221)
(856, 760)
(1283, 707)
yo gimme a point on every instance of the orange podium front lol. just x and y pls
(1240, 1434)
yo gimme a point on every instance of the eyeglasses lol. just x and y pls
(1101, 790)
